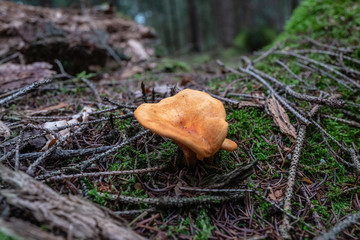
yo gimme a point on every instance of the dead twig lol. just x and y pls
(87, 163)
(120, 105)
(327, 53)
(265, 54)
(72, 216)
(284, 228)
(340, 49)
(98, 174)
(329, 102)
(294, 75)
(325, 66)
(340, 227)
(166, 202)
(267, 85)
(17, 149)
(58, 143)
(25, 90)
(350, 123)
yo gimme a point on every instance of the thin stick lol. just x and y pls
(267, 85)
(314, 212)
(340, 227)
(25, 90)
(284, 228)
(87, 163)
(98, 174)
(93, 121)
(320, 44)
(94, 90)
(351, 123)
(293, 74)
(120, 105)
(329, 102)
(314, 68)
(58, 143)
(265, 54)
(174, 201)
(18, 145)
(7, 155)
(326, 66)
(328, 53)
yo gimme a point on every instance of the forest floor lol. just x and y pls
(293, 109)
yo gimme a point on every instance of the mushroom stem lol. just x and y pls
(190, 156)
(228, 145)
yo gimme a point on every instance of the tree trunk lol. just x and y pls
(225, 18)
(194, 26)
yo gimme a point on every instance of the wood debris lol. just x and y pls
(70, 215)
(77, 38)
(16, 75)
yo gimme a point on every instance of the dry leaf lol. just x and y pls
(276, 195)
(281, 118)
(4, 130)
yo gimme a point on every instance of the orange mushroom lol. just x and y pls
(193, 119)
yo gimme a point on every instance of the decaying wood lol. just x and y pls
(17, 75)
(44, 34)
(28, 231)
(72, 216)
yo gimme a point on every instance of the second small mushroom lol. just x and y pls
(193, 119)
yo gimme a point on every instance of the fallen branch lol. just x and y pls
(58, 143)
(70, 215)
(340, 227)
(87, 163)
(267, 85)
(98, 174)
(284, 228)
(25, 90)
(329, 102)
(325, 66)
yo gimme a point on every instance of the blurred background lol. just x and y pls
(188, 26)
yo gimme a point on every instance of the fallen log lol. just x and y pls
(79, 40)
(65, 217)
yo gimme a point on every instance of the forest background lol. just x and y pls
(184, 27)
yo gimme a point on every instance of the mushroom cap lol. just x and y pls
(191, 118)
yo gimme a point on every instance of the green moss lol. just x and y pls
(203, 225)
(5, 236)
(251, 126)
(336, 19)
(171, 65)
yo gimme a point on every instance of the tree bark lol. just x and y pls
(70, 215)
